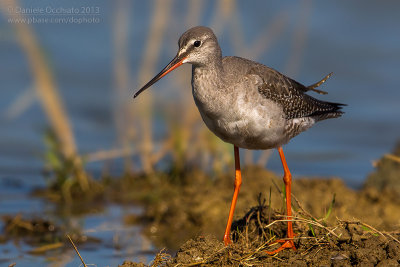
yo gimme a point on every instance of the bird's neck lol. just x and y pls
(210, 74)
(207, 85)
(207, 77)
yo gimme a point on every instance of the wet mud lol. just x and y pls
(185, 212)
(334, 224)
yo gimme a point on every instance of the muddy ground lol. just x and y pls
(334, 225)
(185, 212)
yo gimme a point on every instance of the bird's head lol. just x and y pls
(197, 46)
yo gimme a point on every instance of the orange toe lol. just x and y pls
(286, 244)
(227, 240)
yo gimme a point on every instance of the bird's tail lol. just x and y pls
(327, 110)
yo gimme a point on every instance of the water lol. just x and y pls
(118, 242)
(357, 40)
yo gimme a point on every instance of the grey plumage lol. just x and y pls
(290, 94)
(244, 102)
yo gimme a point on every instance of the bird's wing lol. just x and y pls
(290, 94)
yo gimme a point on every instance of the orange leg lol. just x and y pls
(287, 179)
(238, 182)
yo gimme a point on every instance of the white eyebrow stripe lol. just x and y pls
(186, 47)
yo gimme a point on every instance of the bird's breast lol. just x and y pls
(238, 114)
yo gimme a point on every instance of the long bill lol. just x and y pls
(176, 62)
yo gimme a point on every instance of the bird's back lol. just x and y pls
(288, 93)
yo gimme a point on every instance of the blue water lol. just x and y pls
(117, 242)
(357, 40)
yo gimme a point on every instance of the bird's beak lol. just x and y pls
(176, 62)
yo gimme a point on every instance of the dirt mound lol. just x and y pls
(335, 225)
(355, 247)
(199, 206)
(344, 244)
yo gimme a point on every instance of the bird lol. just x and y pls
(248, 105)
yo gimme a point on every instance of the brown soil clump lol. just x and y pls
(344, 244)
(199, 206)
(335, 225)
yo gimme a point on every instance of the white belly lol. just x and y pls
(246, 124)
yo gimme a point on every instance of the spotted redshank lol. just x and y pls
(248, 105)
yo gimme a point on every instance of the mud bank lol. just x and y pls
(335, 225)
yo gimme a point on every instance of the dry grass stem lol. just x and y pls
(121, 79)
(302, 209)
(392, 157)
(47, 91)
(109, 154)
(44, 248)
(153, 46)
(76, 250)
(21, 104)
(298, 219)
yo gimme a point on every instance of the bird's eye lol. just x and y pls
(197, 43)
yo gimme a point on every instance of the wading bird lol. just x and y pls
(248, 105)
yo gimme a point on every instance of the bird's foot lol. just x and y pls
(227, 240)
(286, 244)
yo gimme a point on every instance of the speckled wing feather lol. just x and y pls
(291, 96)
